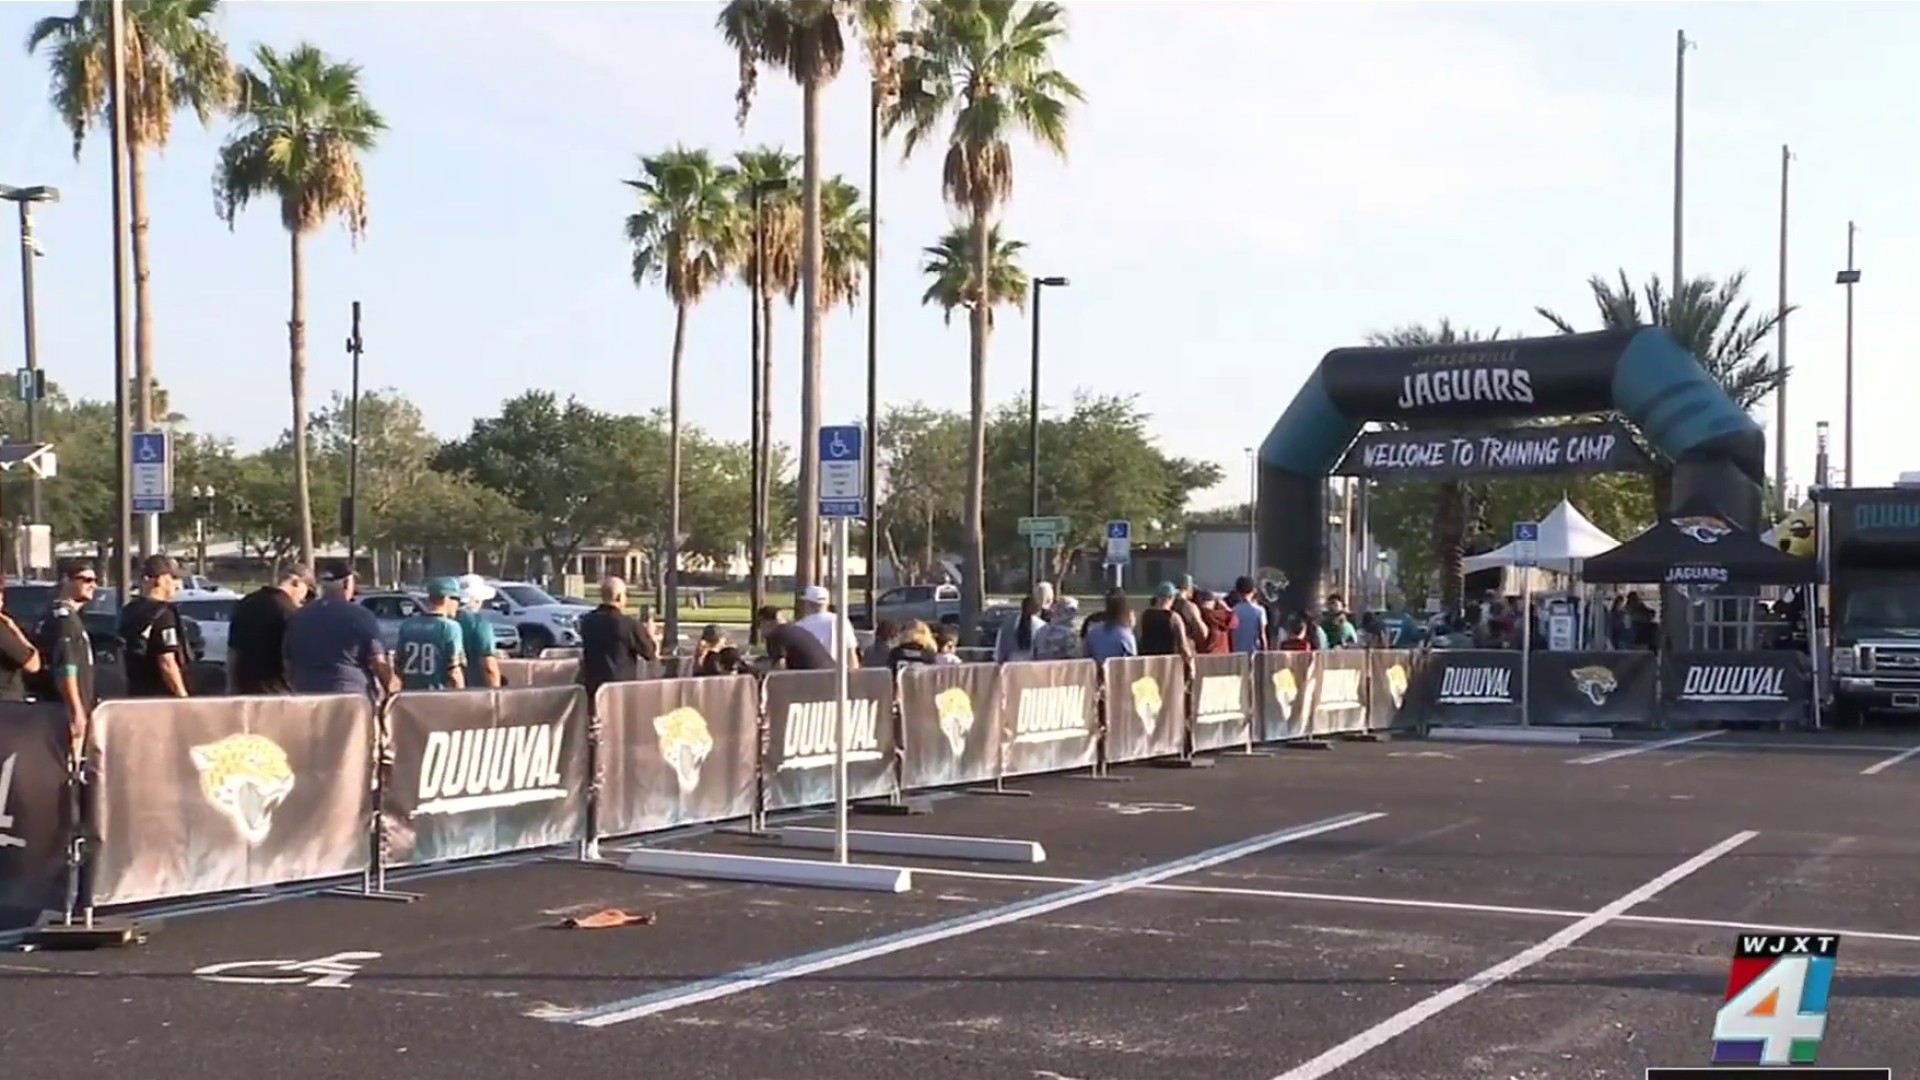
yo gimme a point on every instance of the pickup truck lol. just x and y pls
(930, 604)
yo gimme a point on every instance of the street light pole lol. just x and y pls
(1780, 349)
(872, 553)
(122, 321)
(29, 250)
(1253, 512)
(354, 348)
(1849, 278)
(1679, 153)
(1033, 419)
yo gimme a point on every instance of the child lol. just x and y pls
(948, 646)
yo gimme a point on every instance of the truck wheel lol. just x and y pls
(1848, 715)
(533, 641)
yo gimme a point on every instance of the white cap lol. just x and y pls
(475, 590)
(814, 594)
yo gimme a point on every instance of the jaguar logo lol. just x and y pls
(1703, 530)
(955, 710)
(1397, 684)
(1286, 689)
(685, 743)
(246, 778)
(1595, 682)
(1147, 703)
(1796, 535)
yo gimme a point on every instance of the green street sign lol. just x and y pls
(1043, 541)
(1037, 526)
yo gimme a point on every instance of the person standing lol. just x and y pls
(19, 660)
(1015, 641)
(476, 633)
(1250, 635)
(333, 646)
(1059, 639)
(1162, 631)
(1186, 605)
(152, 641)
(790, 645)
(433, 653)
(825, 625)
(915, 646)
(613, 644)
(1220, 621)
(67, 672)
(1110, 634)
(257, 634)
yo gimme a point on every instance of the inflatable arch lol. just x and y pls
(1643, 373)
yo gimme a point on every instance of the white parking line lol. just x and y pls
(1641, 748)
(1880, 766)
(1402, 1022)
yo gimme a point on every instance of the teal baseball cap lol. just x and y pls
(443, 588)
(1168, 589)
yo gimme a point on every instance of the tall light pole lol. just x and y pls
(34, 385)
(1033, 417)
(1679, 153)
(1253, 511)
(355, 346)
(1848, 278)
(876, 100)
(1780, 349)
(122, 321)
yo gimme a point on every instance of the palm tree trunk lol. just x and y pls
(807, 557)
(142, 297)
(297, 373)
(763, 496)
(673, 478)
(973, 592)
(1450, 543)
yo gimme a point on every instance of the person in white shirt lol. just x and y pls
(815, 619)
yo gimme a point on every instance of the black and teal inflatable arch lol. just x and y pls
(1717, 450)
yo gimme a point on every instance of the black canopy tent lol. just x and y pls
(1698, 549)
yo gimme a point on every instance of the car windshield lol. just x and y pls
(208, 610)
(1885, 607)
(527, 595)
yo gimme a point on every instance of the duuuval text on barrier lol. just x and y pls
(802, 719)
(1049, 717)
(1222, 700)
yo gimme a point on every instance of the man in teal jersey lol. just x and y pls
(476, 632)
(432, 654)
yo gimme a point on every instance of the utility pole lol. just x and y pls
(1780, 349)
(354, 348)
(1848, 278)
(1679, 155)
(123, 452)
(872, 546)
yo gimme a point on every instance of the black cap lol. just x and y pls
(158, 566)
(336, 572)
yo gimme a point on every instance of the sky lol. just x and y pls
(1248, 186)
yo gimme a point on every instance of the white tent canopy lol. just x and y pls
(1565, 535)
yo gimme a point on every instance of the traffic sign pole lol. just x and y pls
(1526, 555)
(843, 497)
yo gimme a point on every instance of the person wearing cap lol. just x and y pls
(1162, 631)
(613, 644)
(825, 625)
(66, 675)
(153, 643)
(1059, 639)
(1186, 604)
(432, 650)
(1250, 617)
(257, 633)
(333, 645)
(476, 632)
(1220, 621)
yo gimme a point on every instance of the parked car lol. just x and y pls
(544, 622)
(930, 604)
(392, 607)
(29, 601)
(214, 613)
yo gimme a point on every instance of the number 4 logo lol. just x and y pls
(1775, 1011)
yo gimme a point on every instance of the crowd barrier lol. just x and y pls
(187, 798)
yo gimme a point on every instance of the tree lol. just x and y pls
(174, 60)
(303, 124)
(1101, 465)
(683, 236)
(448, 511)
(396, 454)
(949, 267)
(807, 40)
(922, 452)
(266, 508)
(572, 470)
(988, 64)
(769, 171)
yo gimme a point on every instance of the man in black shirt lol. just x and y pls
(66, 674)
(18, 657)
(612, 642)
(257, 634)
(154, 645)
(790, 646)
(1162, 631)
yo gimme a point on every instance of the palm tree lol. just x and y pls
(807, 40)
(988, 65)
(769, 171)
(175, 60)
(1457, 503)
(684, 235)
(949, 266)
(1710, 319)
(843, 243)
(303, 124)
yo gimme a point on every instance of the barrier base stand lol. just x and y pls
(87, 936)
(767, 870)
(1370, 736)
(998, 789)
(1181, 763)
(390, 896)
(919, 845)
(1101, 775)
(1249, 753)
(912, 807)
(1308, 744)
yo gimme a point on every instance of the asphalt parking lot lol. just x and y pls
(1391, 911)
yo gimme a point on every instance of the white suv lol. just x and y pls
(543, 621)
